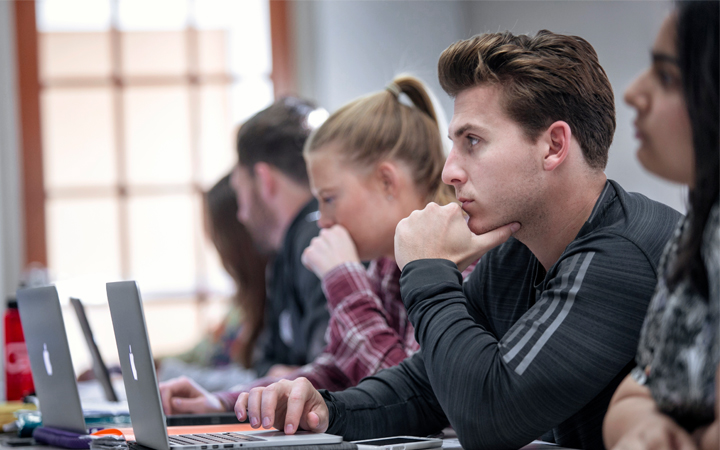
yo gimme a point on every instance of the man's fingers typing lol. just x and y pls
(296, 407)
(241, 406)
(254, 405)
(269, 404)
(286, 405)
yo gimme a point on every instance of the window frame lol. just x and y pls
(34, 194)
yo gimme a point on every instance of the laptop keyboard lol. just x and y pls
(211, 440)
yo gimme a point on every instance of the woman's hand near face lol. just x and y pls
(332, 247)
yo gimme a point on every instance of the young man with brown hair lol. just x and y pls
(546, 326)
(277, 208)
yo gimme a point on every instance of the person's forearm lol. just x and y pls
(505, 393)
(486, 405)
(323, 374)
(396, 401)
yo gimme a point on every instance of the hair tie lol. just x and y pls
(394, 89)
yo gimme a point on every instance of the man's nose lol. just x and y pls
(452, 173)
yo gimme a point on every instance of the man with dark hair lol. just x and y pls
(270, 179)
(279, 211)
(277, 207)
(536, 340)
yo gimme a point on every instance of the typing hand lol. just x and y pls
(183, 396)
(441, 232)
(332, 247)
(285, 405)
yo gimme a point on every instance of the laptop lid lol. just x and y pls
(50, 359)
(99, 368)
(142, 391)
(138, 367)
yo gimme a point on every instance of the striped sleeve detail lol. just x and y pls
(528, 337)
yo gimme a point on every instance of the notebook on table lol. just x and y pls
(143, 395)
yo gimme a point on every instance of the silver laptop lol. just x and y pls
(141, 387)
(102, 374)
(50, 358)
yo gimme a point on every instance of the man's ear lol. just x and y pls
(266, 181)
(388, 176)
(558, 139)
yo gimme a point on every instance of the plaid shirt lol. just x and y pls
(368, 329)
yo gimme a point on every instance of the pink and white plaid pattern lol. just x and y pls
(368, 329)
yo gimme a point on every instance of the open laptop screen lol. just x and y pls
(99, 368)
(50, 358)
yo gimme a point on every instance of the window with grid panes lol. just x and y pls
(139, 103)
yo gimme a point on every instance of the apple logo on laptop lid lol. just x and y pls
(132, 363)
(46, 358)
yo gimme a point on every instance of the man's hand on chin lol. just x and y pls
(441, 232)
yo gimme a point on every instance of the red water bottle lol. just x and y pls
(18, 376)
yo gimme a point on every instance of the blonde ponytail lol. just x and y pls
(381, 126)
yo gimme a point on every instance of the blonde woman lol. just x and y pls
(371, 164)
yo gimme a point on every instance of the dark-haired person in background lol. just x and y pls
(670, 400)
(277, 208)
(225, 356)
(546, 327)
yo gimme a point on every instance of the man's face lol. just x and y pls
(495, 169)
(253, 213)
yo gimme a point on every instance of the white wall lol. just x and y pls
(349, 48)
(11, 236)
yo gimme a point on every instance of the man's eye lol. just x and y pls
(326, 200)
(473, 141)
